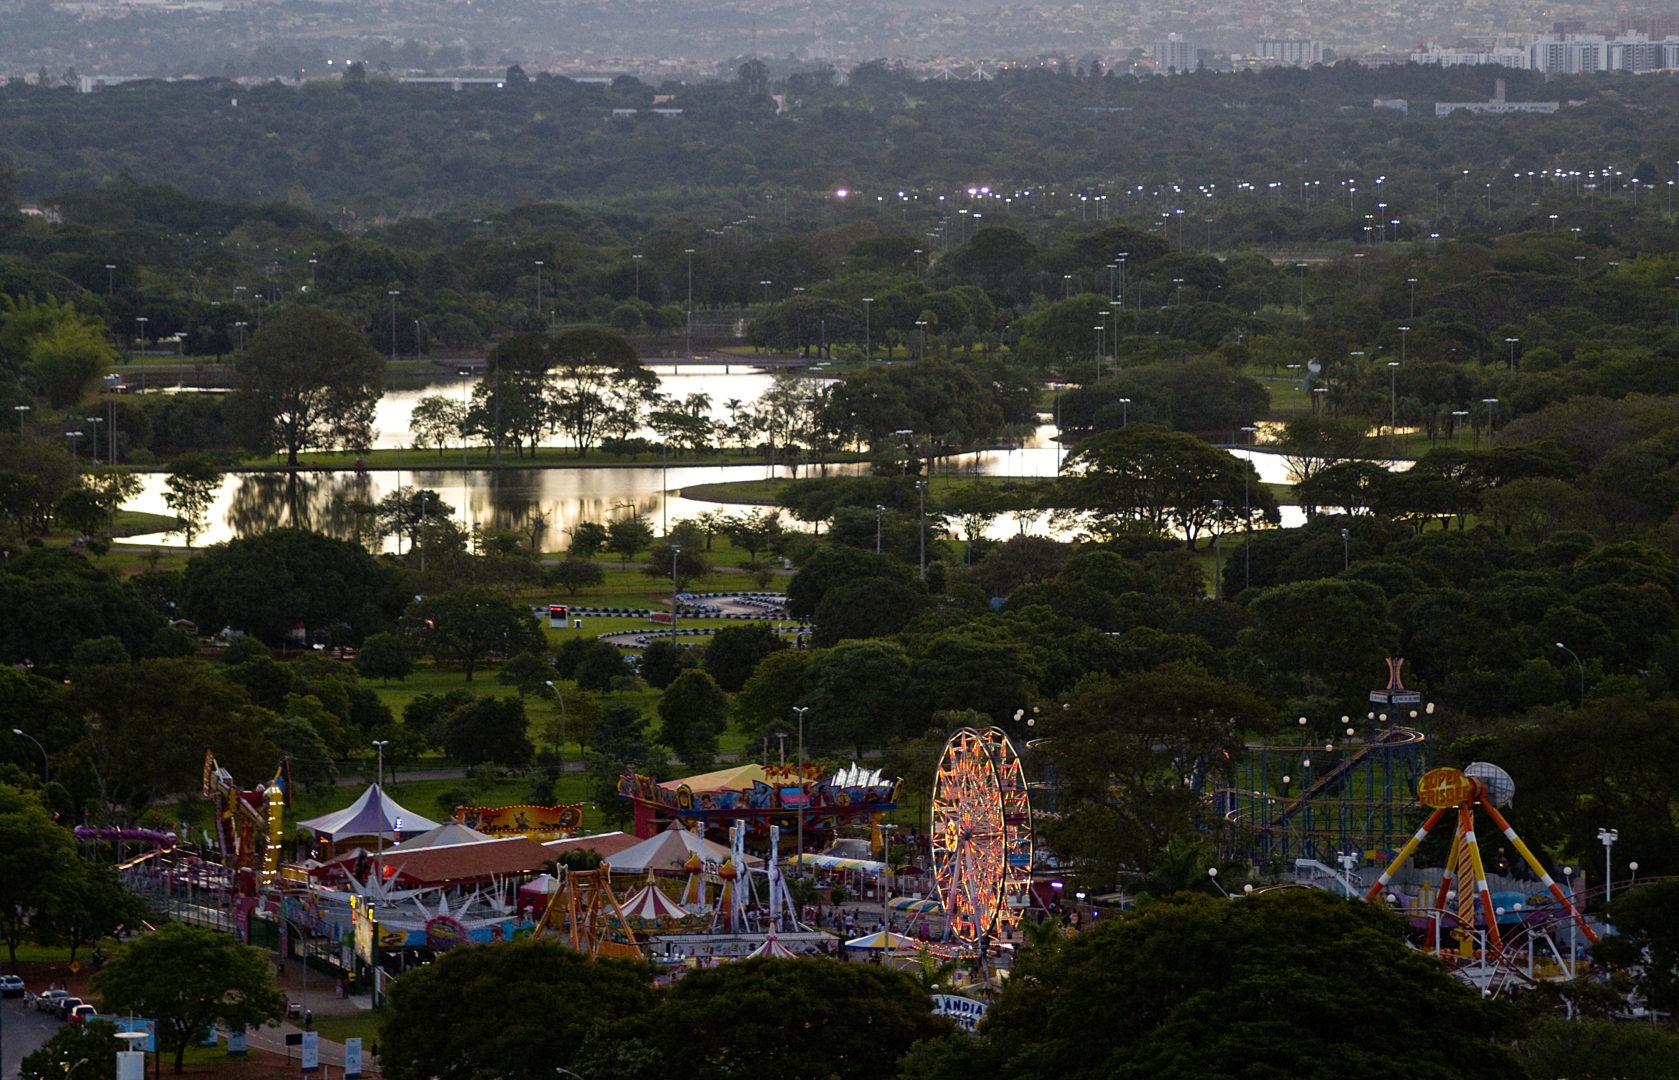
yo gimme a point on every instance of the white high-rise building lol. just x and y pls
(1174, 54)
(1291, 53)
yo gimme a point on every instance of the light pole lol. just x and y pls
(95, 421)
(801, 710)
(22, 414)
(1218, 511)
(1124, 413)
(110, 279)
(675, 558)
(1101, 331)
(921, 490)
(636, 259)
(1393, 402)
(379, 789)
(868, 338)
(561, 699)
(1121, 258)
(1607, 838)
(921, 324)
(1302, 268)
(690, 253)
(1510, 359)
(1579, 665)
(240, 326)
(141, 322)
(46, 769)
(766, 284)
(1491, 403)
(75, 441)
(1346, 549)
(394, 293)
(1404, 332)
(538, 291)
(1411, 307)
(878, 511)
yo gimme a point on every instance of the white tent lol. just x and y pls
(450, 832)
(670, 851)
(373, 814)
(541, 885)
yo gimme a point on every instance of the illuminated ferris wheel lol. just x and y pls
(981, 834)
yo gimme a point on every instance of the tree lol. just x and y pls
(90, 1045)
(693, 711)
(489, 729)
(736, 651)
(188, 979)
(600, 385)
(311, 763)
(436, 421)
(859, 695)
(765, 703)
(193, 482)
(566, 998)
(473, 623)
(663, 660)
(269, 583)
(587, 539)
(60, 351)
(1320, 637)
(1160, 480)
(754, 532)
(1281, 983)
(626, 536)
(308, 380)
(598, 665)
(385, 656)
(37, 864)
(732, 1020)
(574, 574)
(92, 906)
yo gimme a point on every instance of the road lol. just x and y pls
(22, 1031)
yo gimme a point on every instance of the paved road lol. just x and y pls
(22, 1031)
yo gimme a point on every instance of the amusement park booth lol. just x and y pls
(761, 796)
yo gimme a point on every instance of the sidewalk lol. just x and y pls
(322, 1000)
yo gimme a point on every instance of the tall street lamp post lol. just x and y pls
(801, 710)
(868, 337)
(675, 603)
(379, 788)
(1607, 838)
(46, 768)
(394, 293)
(1580, 666)
(559, 697)
(921, 490)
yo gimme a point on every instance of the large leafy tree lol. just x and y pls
(805, 1019)
(267, 584)
(58, 350)
(37, 864)
(188, 979)
(192, 484)
(693, 711)
(1292, 983)
(1135, 754)
(600, 385)
(563, 999)
(308, 380)
(1147, 477)
(473, 623)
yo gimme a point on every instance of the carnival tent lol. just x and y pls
(373, 815)
(734, 778)
(541, 885)
(913, 904)
(450, 832)
(651, 904)
(883, 941)
(669, 852)
(772, 948)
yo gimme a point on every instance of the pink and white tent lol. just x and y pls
(650, 905)
(772, 948)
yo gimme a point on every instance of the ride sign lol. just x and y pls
(965, 1012)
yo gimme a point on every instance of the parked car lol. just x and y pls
(47, 1000)
(11, 986)
(82, 1012)
(65, 1004)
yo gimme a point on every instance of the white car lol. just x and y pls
(47, 1000)
(11, 986)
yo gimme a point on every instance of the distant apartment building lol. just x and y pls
(1174, 54)
(1290, 53)
(1567, 54)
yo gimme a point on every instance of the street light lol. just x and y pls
(1510, 360)
(538, 290)
(1607, 838)
(801, 710)
(1218, 511)
(379, 787)
(921, 490)
(1491, 403)
(1393, 401)
(1124, 412)
(1412, 306)
(1121, 258)
(878, 511)
(75, 440)
(636, 259)
(1579, 665)
(868, 338)
(690, 253)
(561, 699)
(394, 293)
(675, 557)
(46, 769)
(110, 279)
(1302, 268)
(22, 413)
(1403, 339)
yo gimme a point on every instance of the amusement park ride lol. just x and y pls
(981, 836)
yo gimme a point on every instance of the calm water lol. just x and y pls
(323, 501)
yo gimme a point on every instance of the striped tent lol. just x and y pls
(649, 904)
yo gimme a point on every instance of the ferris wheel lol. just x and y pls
(981, 834)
